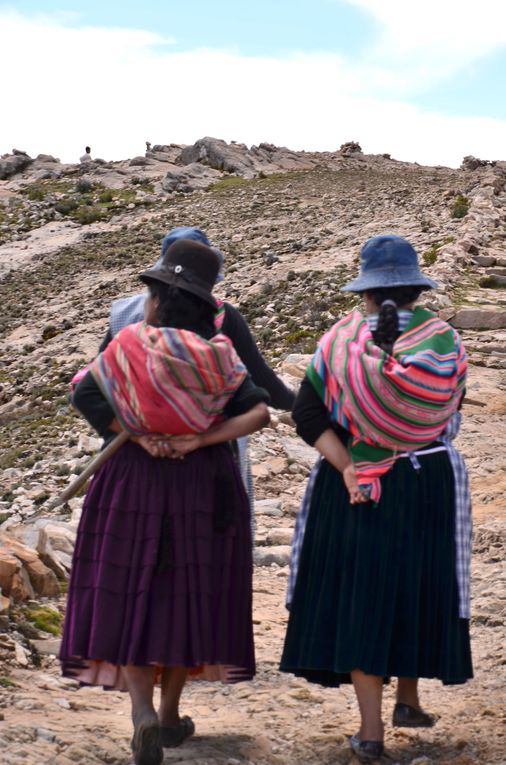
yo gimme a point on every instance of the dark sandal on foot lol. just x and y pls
(366, 751)
(405, 716)
(146, 743)
(174, 735)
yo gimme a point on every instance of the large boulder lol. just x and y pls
(350, 149)
(10, 164)
(189, 178)
(473, 163)
(22, 573)
(218, 154)
(236, 158)
(42, 579)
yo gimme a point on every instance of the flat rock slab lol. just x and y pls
(299, 452)
(470, 318)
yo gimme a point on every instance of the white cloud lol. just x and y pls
(420, 43)
(114, 89)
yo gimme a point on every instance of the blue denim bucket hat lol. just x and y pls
(388, 261)
(196, 235)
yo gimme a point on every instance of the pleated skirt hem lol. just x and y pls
(376, 588)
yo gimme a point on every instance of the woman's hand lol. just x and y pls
(357, 497)
(182, 445)
(173, 447)
(156, 445)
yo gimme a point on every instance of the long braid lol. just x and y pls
(387, 330)
(388, 300)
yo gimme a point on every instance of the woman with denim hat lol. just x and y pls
(161, 575)
(382, 586)
(231, 323)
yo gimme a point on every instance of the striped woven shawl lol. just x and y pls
(389, 403)
(165, 380)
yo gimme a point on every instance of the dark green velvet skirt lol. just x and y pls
(376, 588)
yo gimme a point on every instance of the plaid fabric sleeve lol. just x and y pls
(298, 534)
(463, 516)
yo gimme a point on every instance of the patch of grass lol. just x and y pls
(299, 340)
(36, 193)
(6, 682)
(106, 196)
(460, 206)
(227, 183)
(429, 257)
(45, 618)
(88, 214)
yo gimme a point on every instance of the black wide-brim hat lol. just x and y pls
(189, 265)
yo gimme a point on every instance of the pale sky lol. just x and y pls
(424, 82)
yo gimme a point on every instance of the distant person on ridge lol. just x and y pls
(86, 156)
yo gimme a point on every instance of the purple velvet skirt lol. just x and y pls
(162, 570)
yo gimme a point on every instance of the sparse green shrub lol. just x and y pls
(36, 193)
(460, 206)
(88, 214)
(106, 196)
(66, 205)
(429, 257)
(84, 186)
(49, 331)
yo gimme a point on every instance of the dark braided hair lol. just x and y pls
(388, 300)
(182, 310)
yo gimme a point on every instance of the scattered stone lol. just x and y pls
(295, 364)
(47, 646)
(279, 536)
(266, 556)
(21, 655)
(270, 507)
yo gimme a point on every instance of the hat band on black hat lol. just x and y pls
(187, 275)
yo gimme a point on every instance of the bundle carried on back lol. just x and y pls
(389, 403)
(166, 380)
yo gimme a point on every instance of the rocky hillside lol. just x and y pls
(73, 238)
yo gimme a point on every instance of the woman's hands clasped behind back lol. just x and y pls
(173, 447)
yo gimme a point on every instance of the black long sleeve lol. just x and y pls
(236, 328)
(88, 398)
(105, 342)
(312, 417)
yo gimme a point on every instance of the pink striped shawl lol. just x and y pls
(389, 404)
(166, 380)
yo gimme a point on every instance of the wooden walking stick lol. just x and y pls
(91, 468)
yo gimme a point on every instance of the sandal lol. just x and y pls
(174, 735)
(366, 751)
(405, 716)
(146, 743)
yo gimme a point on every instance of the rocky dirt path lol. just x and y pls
(290, 241)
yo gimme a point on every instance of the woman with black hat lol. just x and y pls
(382, 587)
(161, 576)
(229, 321)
